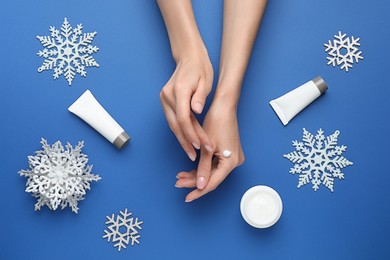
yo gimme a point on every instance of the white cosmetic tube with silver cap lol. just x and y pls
(89, 109)
(293, 102)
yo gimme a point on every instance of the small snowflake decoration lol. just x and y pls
(58, 176)
(67, 51)
(122, 229)
(343, 51)
(318, 159)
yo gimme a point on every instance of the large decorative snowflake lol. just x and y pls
(122, 229)
(318, 159)
(67, 51)
(343, 51)
(58, 176)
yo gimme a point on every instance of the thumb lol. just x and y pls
(199, 97)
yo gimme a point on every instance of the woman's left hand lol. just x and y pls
(221, 126)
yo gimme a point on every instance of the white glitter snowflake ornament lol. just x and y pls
(67, 51)
(58, 176)
(318, 159)
(122, 230)
(343, 51)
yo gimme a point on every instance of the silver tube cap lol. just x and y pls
(321, 85)
(122, 140)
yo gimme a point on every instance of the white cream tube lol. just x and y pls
(293, 102)
(89, 109)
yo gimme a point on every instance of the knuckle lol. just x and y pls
(173, 127)
(203, 167)
(164, 93)
(179, 87)
(212, 187)
(182, 119)
(161, 97)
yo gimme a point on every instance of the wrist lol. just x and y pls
(228, 96)
(189, 50)
(183, 33)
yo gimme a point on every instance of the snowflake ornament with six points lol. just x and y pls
(67, 51)
(122, 229)
(343, 51)
(318, 159)
(58, 176)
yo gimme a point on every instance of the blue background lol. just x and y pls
(351, 223)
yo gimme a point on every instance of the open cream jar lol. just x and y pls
(261, 206)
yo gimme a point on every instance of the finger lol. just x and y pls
(172, 122)
(204, 139)
(182, 175)
(216, 178)
(199, 98)
(204, 169)
(183, 114)
(166, 96)
(186, 183)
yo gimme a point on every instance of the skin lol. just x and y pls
(186, 91)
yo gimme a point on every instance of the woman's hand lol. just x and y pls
(185, 93)
(222, 128)
(190, 84)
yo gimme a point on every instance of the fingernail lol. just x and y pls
(187, 200)
(178, 186)
(192, 157)
(201, 183)
(208, 148)
(177, 176)
(196, 146)
(198, 107)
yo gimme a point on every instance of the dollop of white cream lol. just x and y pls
(226, 153)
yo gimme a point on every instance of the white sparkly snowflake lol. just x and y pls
(58, 176)
(343, 51)
(67, 51)
(318, 159)
(122, 229)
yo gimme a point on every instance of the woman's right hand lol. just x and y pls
(185, 93)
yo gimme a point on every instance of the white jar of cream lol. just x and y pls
(261, 206)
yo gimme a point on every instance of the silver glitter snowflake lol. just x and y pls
(58, 176)
(318, 159)
(343, 51)
(122, 229)
(67, 51)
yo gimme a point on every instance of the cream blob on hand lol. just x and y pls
(261, 206)
(89, 109)
(290, 104)
(226, 153)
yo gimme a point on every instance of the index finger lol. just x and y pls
(217, 177)
(183, 115)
